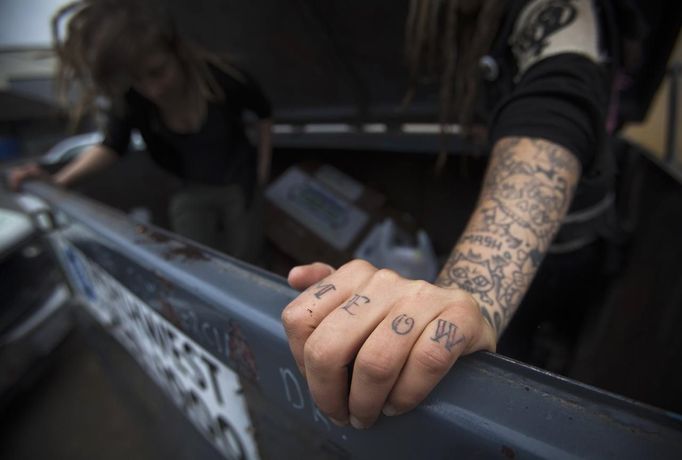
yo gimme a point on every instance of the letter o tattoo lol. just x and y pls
(402, 324)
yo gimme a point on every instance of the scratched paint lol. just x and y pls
(300, 399)
(205, 390)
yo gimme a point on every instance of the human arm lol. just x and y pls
(402, 336)
(526, 194)
(246, 91)
(99, 156)
(91, 160)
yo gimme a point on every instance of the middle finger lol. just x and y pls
(333, 345)
(302, 316)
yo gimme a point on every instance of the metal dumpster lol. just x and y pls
(205, 330)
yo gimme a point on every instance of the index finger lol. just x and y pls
(306, 312)
(304, 276)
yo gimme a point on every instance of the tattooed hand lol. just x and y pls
(395, 338)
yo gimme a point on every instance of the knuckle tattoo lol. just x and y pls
(322, 288)
(402, 324)
(447, 331)
(355, 301)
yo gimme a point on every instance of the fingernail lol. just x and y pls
(389, 411)
(338, 422)
(356, 423)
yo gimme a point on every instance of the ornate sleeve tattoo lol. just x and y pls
(528, 188)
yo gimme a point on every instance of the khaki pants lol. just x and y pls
(216, 216)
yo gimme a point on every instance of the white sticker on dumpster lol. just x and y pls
(207, 391)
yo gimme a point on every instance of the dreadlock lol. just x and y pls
(445, 40)
(105, 40)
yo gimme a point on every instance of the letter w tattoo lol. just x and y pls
(449, 331)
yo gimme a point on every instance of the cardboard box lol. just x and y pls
(319, 214)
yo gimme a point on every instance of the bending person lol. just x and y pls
(187, 104)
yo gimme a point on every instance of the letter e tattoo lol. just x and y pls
(354, 301)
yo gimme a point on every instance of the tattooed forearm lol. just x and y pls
(322, 289)
(402, 324)
(483, 240)
(356, 300)
(526, 194)
(495, 319)
(531, 191)
(447, 330)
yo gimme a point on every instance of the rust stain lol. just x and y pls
(185, 252)
(153, 235)
(164, 282)
(241, 356)
(508, 452)
(168, 312)
(158, 237)
(180, 251)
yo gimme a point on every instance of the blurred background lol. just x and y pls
(335, 74)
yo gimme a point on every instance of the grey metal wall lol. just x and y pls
(487, 407)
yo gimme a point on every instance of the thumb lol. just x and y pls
(303, 276)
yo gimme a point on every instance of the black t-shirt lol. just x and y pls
(217, 154)
(553, 84)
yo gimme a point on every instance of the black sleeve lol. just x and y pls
(117, 134)
(562, 99)
(248, 93)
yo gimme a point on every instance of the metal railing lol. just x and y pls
(207, 329)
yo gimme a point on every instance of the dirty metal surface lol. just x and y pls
(487, 407)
